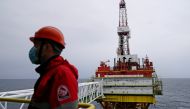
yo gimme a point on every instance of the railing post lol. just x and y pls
(1, 105)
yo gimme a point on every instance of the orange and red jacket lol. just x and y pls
(57, 86)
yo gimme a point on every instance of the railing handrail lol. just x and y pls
(18, 100)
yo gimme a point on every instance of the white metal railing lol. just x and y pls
(88, 92)
(24, 94)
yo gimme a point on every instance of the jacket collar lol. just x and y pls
(47, 65)
(52, 63)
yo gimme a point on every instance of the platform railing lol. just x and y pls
(18, 100)
(88, 92)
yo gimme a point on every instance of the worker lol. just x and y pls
(57, 86)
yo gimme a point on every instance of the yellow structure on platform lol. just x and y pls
(124, 98)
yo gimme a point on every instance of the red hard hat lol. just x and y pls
(50, 33)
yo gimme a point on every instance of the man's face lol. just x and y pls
(34, 52)
(45, 47)
(37, 44)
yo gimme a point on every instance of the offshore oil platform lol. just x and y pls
(131, 83)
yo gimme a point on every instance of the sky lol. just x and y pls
(159, 29)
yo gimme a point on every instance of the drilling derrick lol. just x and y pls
(123, 31)
(130, 83)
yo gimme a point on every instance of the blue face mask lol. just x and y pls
(34, 56)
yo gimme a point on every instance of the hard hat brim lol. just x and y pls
(31, 39)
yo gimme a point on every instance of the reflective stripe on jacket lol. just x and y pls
(57, 87)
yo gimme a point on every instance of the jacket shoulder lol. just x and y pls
(66, 69)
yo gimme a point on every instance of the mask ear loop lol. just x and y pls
(40, 51)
